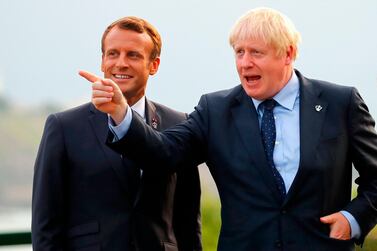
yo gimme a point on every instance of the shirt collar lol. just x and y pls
(139, 107)
(286, 97)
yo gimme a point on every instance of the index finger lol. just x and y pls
(89, 76)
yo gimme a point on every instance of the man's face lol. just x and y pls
(126, 60)
(262, 73)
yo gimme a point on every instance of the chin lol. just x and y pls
(249, 91)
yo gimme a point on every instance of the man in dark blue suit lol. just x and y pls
(280, 146)
(86, 196)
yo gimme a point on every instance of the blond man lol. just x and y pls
(280, 146)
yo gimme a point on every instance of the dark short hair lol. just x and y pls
(139, 25)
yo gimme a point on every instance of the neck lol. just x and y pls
(287, 75)
(133, 100)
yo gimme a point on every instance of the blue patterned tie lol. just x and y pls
(268, 131)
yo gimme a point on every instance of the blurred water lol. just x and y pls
(15, 219)
(17, 248)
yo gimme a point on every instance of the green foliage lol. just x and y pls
(370, 243)
(211, 222)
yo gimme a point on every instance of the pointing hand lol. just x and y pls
(107, 96)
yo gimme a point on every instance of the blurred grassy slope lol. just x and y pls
(20, 133)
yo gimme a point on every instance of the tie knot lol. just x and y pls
(269, 104)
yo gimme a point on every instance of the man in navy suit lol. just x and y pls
(86, 196)
(280, 146)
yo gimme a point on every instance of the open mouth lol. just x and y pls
(252, 78)
(122, 76)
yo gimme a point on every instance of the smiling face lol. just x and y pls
(263, 73)
(126, 60)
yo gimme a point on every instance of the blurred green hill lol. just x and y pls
(20, 132)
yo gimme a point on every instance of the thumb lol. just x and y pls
(109, 82)
(118, 95)
(328, 219)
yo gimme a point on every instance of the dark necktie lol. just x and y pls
(268, 131)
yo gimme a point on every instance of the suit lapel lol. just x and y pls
(312, 115)
(152, 118)
(246, 120)
(98, 121)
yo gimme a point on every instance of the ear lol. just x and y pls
(290, 55)
(153, 67)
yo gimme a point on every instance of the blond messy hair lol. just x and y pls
(268, 25)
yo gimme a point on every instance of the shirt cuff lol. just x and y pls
(120, 130)
(355, 227)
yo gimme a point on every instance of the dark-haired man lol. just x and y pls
(87, 197)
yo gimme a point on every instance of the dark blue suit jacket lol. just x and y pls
(82, 192)
(223, 131)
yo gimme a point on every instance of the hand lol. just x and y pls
(339, 226)
(107, 96)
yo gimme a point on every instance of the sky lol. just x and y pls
(44, 43)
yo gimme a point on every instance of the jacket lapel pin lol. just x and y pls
(318, 108)
(154, 123)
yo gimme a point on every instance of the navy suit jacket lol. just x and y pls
(83, 197)
(223, 131)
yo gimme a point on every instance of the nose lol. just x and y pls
(122, 61)
(246, 61)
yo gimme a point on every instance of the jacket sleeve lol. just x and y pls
(186, 218)
(48, 189)
(363, 151)
(180, 144)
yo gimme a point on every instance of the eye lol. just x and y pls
(257, 53)
(134, 55)
(240, 52)
(111, 53)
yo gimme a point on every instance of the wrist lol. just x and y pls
(119, 114)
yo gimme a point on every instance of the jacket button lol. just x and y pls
(278, 244)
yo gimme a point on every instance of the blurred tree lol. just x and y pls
(4, 104)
